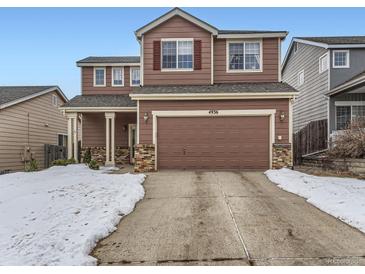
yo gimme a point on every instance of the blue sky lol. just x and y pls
(39, 46)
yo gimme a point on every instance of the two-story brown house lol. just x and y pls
(196, 98)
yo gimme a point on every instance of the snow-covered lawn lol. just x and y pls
(343, 198)
(56, 216)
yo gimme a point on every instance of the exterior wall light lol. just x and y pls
(282, 116)
(145, 117)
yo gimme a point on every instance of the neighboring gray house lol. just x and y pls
(329, 73)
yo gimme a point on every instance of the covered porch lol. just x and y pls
(108, 128)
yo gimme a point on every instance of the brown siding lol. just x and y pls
(88, 82)
(270, 48)
(93, 128)
(177, 27)
(282, 128)
(14, 130)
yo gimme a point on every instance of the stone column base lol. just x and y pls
(99, 154)
(281, 156)
(144, 160)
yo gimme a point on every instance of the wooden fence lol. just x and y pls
(310, 139)
(53, 152)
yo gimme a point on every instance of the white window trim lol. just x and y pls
(319, 61)
(228, 70)
(347, 59)
(177, 54)
(113, 68)
(95, 68)
(298, 82)
(130, 76)
(54, 100)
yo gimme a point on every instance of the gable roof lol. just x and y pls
(11, 95)
(135, 60)
(327, 42)
(179, 12)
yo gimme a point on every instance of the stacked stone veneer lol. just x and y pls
(281, 156)
(144, 160)
(99, 154)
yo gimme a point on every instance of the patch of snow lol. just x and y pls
(56, 216)
(343, 198)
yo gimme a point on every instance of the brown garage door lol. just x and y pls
(213, 143)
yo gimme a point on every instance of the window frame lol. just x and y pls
(228, 70)
(177, 54)
(346, 104)
(298, 78)
(95, 69)
(54, 100)
(295, 46)
(64, 137)
(347, 58)
(130, 74)
(320, 64)
(122, 70)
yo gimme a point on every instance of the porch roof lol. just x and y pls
(100, 101)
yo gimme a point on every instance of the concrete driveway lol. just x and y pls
(227, 218)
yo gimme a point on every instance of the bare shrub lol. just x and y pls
(350, 143)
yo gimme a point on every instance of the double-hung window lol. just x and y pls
(323, 63)
(341, 59)
(135, 76)
(117, 77)
(244, 56)
(99, 76)
(300, 78)
(177, 54)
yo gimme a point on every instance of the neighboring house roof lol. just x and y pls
(355, 81)
(11, 95)
(132, 60)
(217, 88)
(100, 101)
(327, 42)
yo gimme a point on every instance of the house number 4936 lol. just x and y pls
(213, 111)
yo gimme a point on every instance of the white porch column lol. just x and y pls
(75, 135)
(109, 135)
(71, 132)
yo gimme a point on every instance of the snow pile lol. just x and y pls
(56, 216)
(343, 198)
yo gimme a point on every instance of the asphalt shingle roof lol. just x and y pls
(336, 40)
(110, 59)
(217, 88)
(101, 101)
(249, 31)
(12, 93)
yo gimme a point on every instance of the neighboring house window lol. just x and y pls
(99, 76)
(55, 100)
(117, 77)
(323, 63)
(341, 59)
(347, 113)
(135, 76)
(62, 140)
(244, 56)
(301, 78)
(177, 54)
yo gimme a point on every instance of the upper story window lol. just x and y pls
(323, 63)
(177, 54)
(99, 76)
(341, 59)
(55, 100)
(300, 78)
(117, 77)
(244, 56)
(135, 76)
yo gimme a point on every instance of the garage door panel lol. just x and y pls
(213, 142)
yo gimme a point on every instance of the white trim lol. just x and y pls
(137, 141)
(320, 65)
(123, 77)
(291, 101)
(298, 78)
(316, 44)
(349, 103)
(279, 59)
(329, 120)
(177, 54)
(54, 100)
(214, 96)
(252, 35)
(130, 76)
(26, 98)
(221, 113)
(347, 58)
(94, 76)
(141, 73)
(228, 70)
(108, 64)
(211, 59)
(172, 13)
(98, 109)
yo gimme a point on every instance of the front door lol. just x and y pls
(132, 138)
